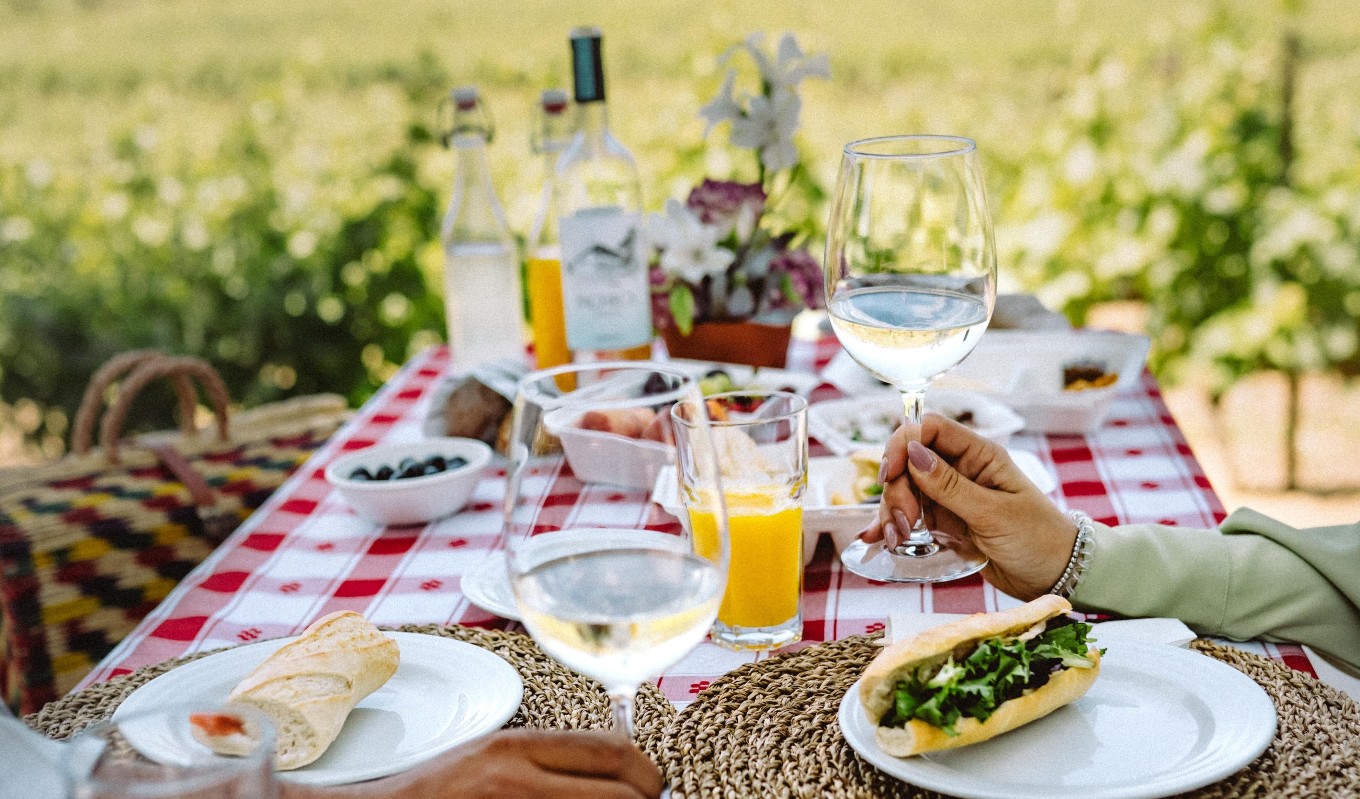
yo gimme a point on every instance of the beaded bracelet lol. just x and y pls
(1081, 554)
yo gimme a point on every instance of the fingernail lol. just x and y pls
(901, 518)
(865, 531)
(890, 535)
(883, 471)
(920, 456)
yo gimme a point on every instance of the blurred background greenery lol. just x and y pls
(259, 182)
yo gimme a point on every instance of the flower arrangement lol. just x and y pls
(715, 260)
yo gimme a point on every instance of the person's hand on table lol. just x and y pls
(981, 502)
(517, 764)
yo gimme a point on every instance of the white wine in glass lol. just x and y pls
(616, 603)
(910, 286)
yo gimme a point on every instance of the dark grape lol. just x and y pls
(384, 473)
(360, 474)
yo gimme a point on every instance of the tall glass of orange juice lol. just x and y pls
(761, 442)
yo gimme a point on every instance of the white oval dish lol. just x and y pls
(445, 692)
(411, 500)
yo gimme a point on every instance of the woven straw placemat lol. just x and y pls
(554, 696)
(769, 729)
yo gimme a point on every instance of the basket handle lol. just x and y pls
(82, 431)
(180, 367)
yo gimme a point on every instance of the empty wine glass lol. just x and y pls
(615, 590)
(910, 286)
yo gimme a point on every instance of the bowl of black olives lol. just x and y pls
(410, 483)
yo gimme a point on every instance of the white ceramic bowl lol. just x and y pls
(599, 457)
(410, 500)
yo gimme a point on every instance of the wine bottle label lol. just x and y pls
(605, 293)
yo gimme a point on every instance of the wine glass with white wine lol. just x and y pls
(611, 592)
(910, 286)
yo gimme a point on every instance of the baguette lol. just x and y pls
(925, 653)
(308, 688)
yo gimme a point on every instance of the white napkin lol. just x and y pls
(31, 760)
(902, 625)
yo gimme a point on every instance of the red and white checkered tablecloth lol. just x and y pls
(304, 553)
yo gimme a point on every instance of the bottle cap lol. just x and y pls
(464, 98)
(554, 101)
(469, 116)
(587, 66)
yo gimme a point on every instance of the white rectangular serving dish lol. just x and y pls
(1034, 360)
(599, 457)
(747, 377)
(867, 420)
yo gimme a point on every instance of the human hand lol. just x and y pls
(981, 503)
(518, 764)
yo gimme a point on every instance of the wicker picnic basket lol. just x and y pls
(90, 543)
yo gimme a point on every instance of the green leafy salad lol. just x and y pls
(999, 669)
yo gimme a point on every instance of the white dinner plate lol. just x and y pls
(445, 692)
(1159, 721)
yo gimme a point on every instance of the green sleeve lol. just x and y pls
(1251, 578)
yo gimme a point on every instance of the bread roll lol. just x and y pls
(308, 687)
(932, 647)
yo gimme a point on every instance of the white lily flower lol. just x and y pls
(724, 107)
(790, 65)
(689, 248)
(768, 126)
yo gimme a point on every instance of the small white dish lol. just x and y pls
(1159, 721)
(867, 420)
(599, 457)
(445, 692)
(410, 500)
(487, 585)
(1034, 361)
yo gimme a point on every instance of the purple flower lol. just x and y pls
(728, 205)
(804, 273)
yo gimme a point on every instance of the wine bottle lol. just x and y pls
(543, 270)
(482, 297)
(605, 293)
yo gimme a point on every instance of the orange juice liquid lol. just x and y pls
(547, 320)
(765, 575)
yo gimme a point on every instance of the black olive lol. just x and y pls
(457, 463)
(360, 474)
(406, 463)
(718, 373)
(657, 383)
(414, 470)
(384, 473)
(436, 462)
(430, 468)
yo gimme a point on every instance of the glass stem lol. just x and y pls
(621, 703)
(919, 542)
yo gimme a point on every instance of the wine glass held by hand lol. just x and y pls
(613, 593)
(910, 286)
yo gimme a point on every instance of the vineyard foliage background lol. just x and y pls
(259, 182)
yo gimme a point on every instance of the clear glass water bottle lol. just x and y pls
(482, 298)
(605, 292)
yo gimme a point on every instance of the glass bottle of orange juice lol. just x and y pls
(543, 271)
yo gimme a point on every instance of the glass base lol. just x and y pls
(933, 565)
(730, 636)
